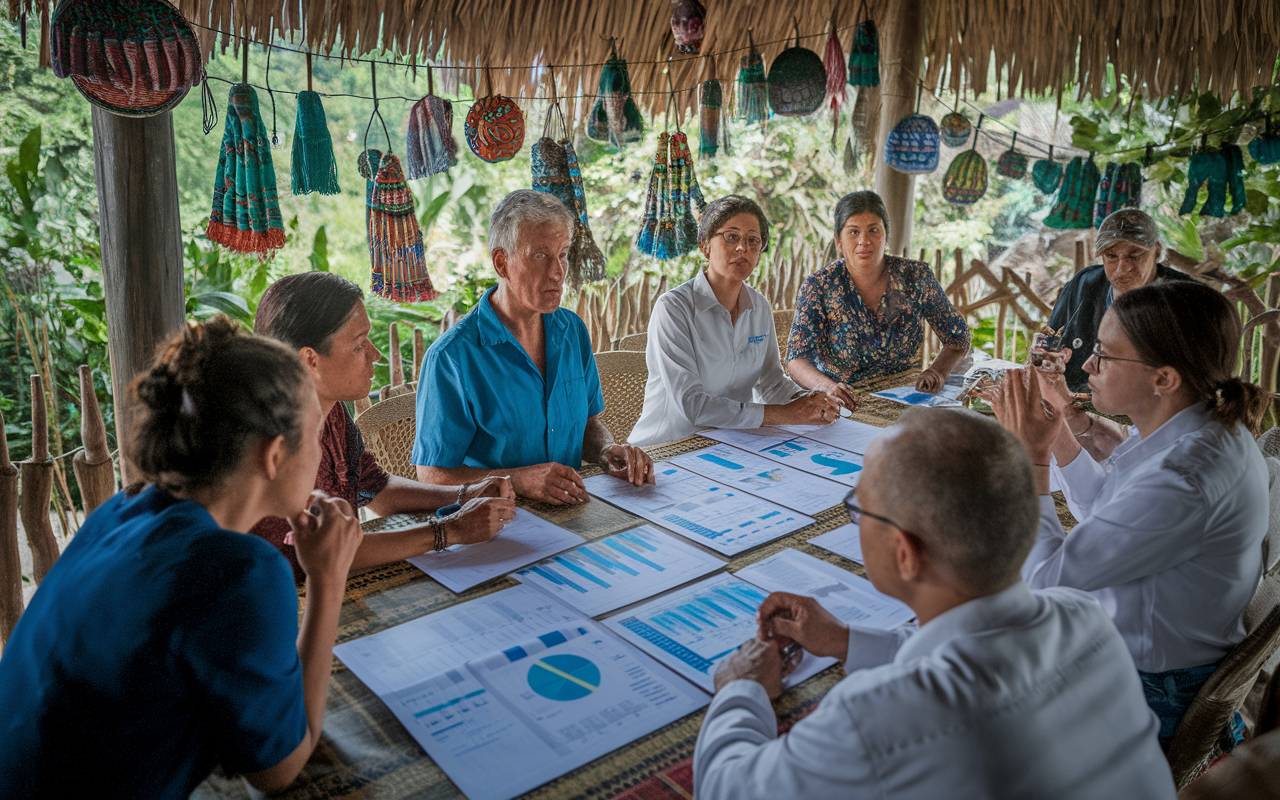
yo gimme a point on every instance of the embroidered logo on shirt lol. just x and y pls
(758, 339)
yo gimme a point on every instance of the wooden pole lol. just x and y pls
(37, 487)
(10, 561)
(419, 350)
(141, 236)
(901, 55)
(397, 361)
(1078, 262)
(94, 472)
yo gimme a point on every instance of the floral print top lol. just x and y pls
(849, 342)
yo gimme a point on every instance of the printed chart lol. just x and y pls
(525, 539)
(764, 478)
(727, 520)
(851, 598)
(620, 570)
(843, 541)
(850, 436)
(817, 458)
(692, 629)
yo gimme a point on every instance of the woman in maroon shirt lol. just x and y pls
(323, 317)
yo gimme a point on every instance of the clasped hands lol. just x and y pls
(789, 625)
(559, 485)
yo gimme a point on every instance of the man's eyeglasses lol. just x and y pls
(1098, 354)
(856, 512)
(732, 238)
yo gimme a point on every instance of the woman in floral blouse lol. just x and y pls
(860, 317)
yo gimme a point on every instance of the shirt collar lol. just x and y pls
(1002, 609)
(491, 329)
(1191, 418)
(705, 296)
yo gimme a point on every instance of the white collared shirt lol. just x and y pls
(1169, 539)
(705, 371)
(1018, 694)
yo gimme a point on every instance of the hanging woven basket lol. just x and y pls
(1265, 148)
(965, 181)
(687, 19)
(1120, 187)
(135, 58)
(797, 82)
(1047, 175)
(912, 145)
(494, 128)
(954, 129)
(1073, 207)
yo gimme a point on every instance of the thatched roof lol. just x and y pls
(1172, 46)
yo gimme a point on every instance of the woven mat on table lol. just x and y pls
(366, 753)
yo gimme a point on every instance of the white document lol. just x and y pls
(511, 690)
(846, 434)
(851, 598)
(692, 629)
(843, 541)
(750, 439)
(526, 538)
(619, 570)
(910, 396)
(819, 459)
(726, 520)
(763, 478)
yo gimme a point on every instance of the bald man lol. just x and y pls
(1002, 692)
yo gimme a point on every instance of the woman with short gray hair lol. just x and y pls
(863, 316)
(713, 351)
(512, 389)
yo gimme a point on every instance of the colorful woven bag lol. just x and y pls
(1047, 174)
(429, 145)
(1074, 205)
(135, 58)
(797, 81)
(912, 145)
(615, 118)
(965, 181)
(753, 86)
(954, 129)
(687, 19)
(709, 118)
(1265, 148)
(494, 128)
(1120, 187)
(556, 171)
(396, 251)
(1012, 164)
(246, 211)
(864, 55)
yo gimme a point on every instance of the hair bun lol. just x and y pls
(160, 391)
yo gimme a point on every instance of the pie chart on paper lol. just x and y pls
(564, 677)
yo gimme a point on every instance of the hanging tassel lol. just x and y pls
(430, 145)
(837, 94)
(395, 240)
(850, 158)
(615, 116)
(864, 55)
(685, 195)
(753, 86)
(646, 239)
(246, 212)
(709, 119)
(585, 252)
(314, 167)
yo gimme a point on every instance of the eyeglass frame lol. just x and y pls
(856, 512)
(758, 247)
(1103, 357)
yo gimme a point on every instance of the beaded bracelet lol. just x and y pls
(441, 536)
(461, 491)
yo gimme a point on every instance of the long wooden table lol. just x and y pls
(366, 753)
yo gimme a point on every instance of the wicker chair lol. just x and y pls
(389, 428)
(636, 341)
(782, 325)
(623, 375)
(1195, 740)
(387, 392)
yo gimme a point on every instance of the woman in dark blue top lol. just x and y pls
(165, 640)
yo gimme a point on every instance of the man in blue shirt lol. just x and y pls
(513, 387)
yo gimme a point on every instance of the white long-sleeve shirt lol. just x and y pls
(1169, 539)
(705, 371)
(1015, 695)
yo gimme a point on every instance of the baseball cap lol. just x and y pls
(1127, 225)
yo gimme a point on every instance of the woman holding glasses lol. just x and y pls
(1172, 511)
(713, 351)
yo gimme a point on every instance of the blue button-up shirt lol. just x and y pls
(482, 402)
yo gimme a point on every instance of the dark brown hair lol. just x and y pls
(306, 309)
(859, 203)
(1194, 329)
(212, 392)
(718, 212)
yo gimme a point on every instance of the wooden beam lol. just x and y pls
(141, 236)
(901, 55)
(10, 561)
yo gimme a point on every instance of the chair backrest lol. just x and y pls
(1197, 733)
(623, 375)
(389, 428)
(636, 341)
(1269, 442)
(782, 325)
(389, 391)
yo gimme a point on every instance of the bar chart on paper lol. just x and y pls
(819, 459)
(851, 598)
(727, 520)
(619, 570)
(692, 629)
(846, 434)
(764, 478)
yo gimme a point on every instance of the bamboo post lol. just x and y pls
(362, 405)
(397, 361)
(1078, 261)
(1269, 351)
(94, 471)
(646, 304)
(10, 562)
(37, 487)
(419, 350)
(662, 287)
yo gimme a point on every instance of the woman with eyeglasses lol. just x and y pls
(713, 351)
(1172, 512)
(862, 316)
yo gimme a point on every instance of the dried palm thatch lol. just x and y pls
(1173, 46)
